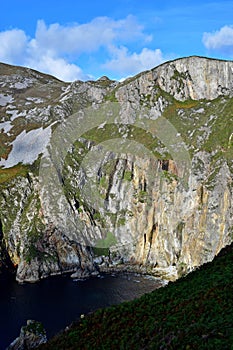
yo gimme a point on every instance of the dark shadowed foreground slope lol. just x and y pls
(195, 312)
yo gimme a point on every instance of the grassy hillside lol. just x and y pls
(195, 312)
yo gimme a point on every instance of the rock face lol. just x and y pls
(139, 170)
(31, 336)
(196, 78)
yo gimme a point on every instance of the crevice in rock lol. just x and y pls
(151, 237)
(6, 264)
(76, 203)
(165, 165)
(1, 231)
(201, 194)
(132, 170)
(144, 239)
(145, 185)
(152, 234)
(90, 214)
(110, 182)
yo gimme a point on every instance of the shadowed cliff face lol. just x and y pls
(139, 170)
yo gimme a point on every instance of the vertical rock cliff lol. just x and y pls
(139, 171)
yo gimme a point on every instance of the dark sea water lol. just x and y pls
(58, 301)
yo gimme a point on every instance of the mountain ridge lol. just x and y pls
(135, 76)
(169, 229)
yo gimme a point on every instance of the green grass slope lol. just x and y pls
(195, 312)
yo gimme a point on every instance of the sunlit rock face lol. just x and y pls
(196, 78)
(141, 170)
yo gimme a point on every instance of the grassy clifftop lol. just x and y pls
(195, 312)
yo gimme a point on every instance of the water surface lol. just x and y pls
(57, 301)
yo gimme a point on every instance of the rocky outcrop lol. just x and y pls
(139, 170)
(196, 78)
(31, 336)
(35, 245)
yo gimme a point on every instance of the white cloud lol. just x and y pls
(89, 37)
(127, 63)
(17, 48)
(12, 45)
(221, 40)
(54, 48)
(58, 67)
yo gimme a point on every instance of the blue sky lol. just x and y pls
(87, 39)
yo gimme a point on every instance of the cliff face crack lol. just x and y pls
(110, 182)
(1, 231)
(151, 240)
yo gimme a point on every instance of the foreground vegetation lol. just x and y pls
(195, 312)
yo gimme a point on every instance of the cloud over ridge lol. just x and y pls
(57, 49)
(221, 40)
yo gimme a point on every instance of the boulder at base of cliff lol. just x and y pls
(31, 336)
(84, 273)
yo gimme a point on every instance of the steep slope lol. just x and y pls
(194, 312)
(140, 170)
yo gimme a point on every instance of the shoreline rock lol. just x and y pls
(31, 336)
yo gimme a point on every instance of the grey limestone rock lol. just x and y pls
(139, 210)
